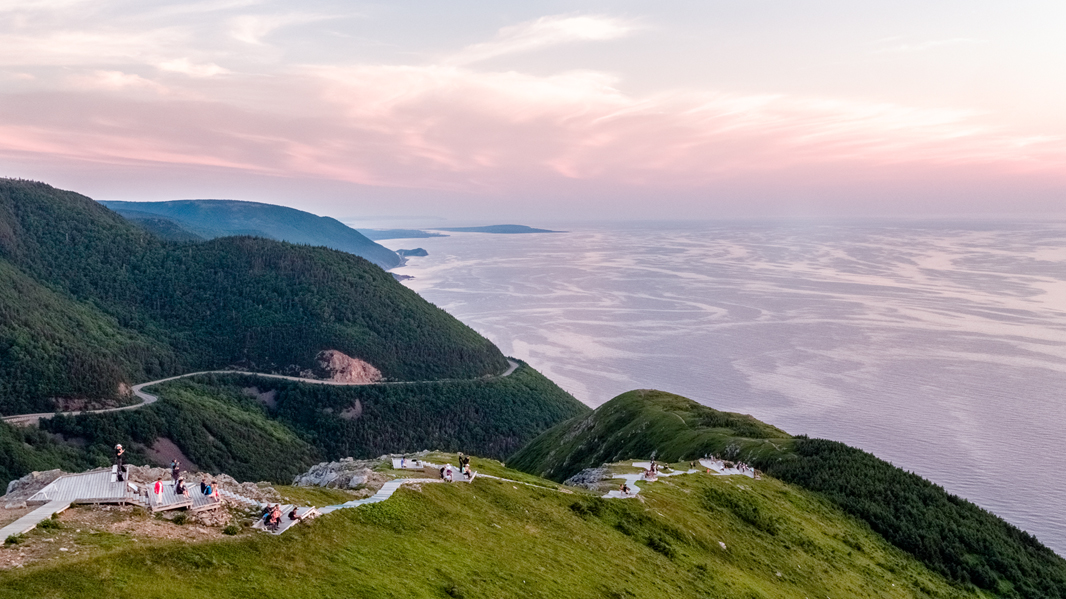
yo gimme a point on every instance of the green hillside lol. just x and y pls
(950, 535)
(219, 426)
(220, 218)
(646, 424)
(693, 536)
(89, 302)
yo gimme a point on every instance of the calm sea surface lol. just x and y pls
(939, 347)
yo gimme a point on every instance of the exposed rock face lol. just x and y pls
(345, 474)
(18, 491)
(335, 366)
(588, 478)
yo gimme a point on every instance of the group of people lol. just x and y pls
(415, 463)
(447, 473)
(272, 515)
(207, 487)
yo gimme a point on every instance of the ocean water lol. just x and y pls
(940, 347)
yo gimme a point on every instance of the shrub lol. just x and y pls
(50, 524)
(180, 519)
(231, 529)
(13, 540)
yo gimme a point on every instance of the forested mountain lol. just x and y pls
(221, 424)
(950, 535)
(90, 302)
(209, 219)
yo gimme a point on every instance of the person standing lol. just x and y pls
(175, 470)
(158, 488)
(120, 457)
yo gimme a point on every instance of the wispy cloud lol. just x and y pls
(187, 67)
(542, 33)
(115, 81)
(251, 29)
(894, 45)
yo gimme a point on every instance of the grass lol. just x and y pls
(497, 539)
(316, 496)
(644, 423)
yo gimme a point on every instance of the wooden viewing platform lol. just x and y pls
(103, 486)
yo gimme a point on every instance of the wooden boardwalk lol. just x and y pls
(103, 486)
(32, 519)
(98, 486)
(304, 513)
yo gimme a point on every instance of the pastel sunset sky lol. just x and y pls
(491, 110)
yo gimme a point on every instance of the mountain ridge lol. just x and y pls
(217, 218)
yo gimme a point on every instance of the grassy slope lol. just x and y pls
(643, 424)
(950, 535)
(495, 539)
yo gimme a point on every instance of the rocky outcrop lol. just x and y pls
(335, 366)
(18, 491)
(588, 478)
(345, 474)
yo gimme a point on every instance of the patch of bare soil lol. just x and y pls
(7, 516)
(336, 366)
(163, 451)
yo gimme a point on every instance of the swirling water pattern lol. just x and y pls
(940, 347)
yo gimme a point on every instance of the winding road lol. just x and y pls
(148, 398)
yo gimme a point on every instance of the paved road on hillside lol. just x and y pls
(148, 398)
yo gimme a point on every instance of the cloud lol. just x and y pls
(927, 45)
(251, 29)
(115, 81)
(187, 67)
(542, 33)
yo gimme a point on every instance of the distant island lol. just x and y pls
(497, 229)
(379, 234)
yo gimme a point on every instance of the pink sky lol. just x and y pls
(676, 112)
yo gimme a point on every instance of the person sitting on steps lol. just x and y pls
(181, 489)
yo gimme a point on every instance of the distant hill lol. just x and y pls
(209, 219)
(497, 229)
(948, 534)
(90, 303)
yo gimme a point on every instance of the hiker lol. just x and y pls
(175, 470)
(448, 472)
(120, 456)
(181, 489)
(442, 473)
(275, 517)
(403, 462)
(158, 489)
(624, 490)
(295, 515)
(208, 490)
